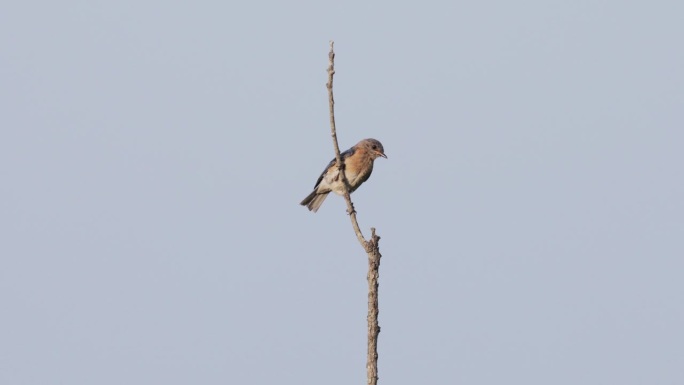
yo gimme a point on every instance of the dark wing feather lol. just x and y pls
(344, 155)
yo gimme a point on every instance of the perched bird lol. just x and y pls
(358, 165)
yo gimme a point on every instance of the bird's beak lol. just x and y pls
(382, 155)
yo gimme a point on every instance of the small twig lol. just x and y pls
(371, 247)
(340, 162)
(331, 102)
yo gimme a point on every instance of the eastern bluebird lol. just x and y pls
(358, 166)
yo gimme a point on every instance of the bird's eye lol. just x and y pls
(375, 147)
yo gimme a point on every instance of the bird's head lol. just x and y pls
(374, 147)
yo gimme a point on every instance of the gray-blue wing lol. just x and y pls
(344, 156)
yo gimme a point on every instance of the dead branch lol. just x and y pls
(371, 247)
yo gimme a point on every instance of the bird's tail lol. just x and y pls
(314, 201)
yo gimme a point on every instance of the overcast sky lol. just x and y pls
(153, 155)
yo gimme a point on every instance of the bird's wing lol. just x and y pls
(332, 163)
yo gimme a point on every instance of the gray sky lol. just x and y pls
(153, 156)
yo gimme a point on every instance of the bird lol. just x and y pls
(358, 166)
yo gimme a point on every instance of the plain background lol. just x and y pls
(153, 154)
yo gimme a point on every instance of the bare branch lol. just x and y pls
(371, 247)
(373, 308)
(340, 163)
(331, 102)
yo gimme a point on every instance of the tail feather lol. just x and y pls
(314, 201)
